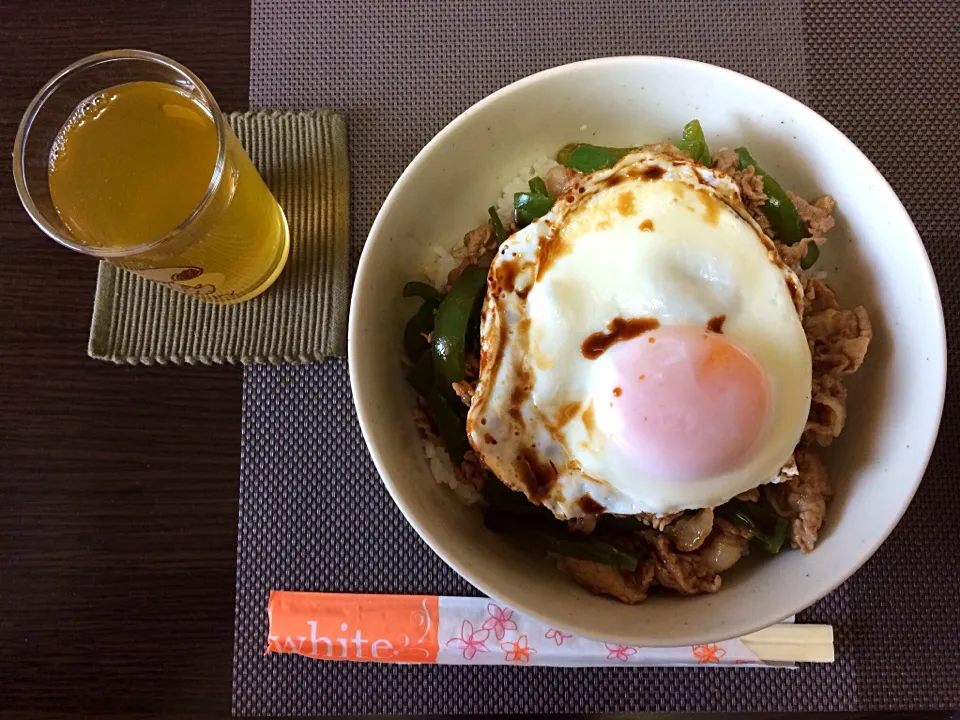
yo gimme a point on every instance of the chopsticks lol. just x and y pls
(792, 643)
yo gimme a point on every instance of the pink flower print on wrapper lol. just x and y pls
(620, 652)
(558, 636)
(499, 620)
(470, 641)
(517, 652)
(710, 653)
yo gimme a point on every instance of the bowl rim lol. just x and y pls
(365, 413)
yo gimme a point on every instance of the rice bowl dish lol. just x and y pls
(633, 364)
(895, 397)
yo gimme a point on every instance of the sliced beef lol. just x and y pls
(803, 499)
(828, 410)
(726, 161)
(817, 216)
(658, 522)
(471, 471)
(839, 339)
(686, 573)
(465, 391)
(559, 179)
(477, 243)
(627, 587)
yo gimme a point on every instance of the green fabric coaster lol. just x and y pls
(302, 156)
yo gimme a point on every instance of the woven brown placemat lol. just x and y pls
(302, 156)
(313, 512)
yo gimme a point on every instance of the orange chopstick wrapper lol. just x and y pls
(455, 631)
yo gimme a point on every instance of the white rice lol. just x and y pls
(441, 259)
(519, 184)
(441, 466)
(439, 262)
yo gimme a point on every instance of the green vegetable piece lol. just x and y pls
(563, 155)
(421, 290)
(590, 158)
(776, 539)
(812, 255)
(538, 186)
(500, 497)
(694, 144)
(551, 537)
(527, 207)
(453, 319)
(414, 342)
(451, 426)
(420, 376)
(498, 230)
(769, 529)
(780, 210)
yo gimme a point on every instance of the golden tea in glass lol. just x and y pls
(144, 172)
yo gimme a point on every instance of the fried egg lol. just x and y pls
(641, 347)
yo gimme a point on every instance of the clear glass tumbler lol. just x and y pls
(126, 156)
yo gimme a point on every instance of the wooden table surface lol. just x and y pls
(118, 486)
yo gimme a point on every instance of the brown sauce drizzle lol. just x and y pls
(590, 506)
(506, 276)
(715, 324)
(589, 420)
(625, 205)
(551, 248)
(567, 413)
(652, 172)
(646, 225)
(617, 392)
(712, 207)
(538, 477)
(618, 329)
(520, 393)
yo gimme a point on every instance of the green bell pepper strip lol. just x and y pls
(780, 210)
(538, 186)
(451, 426)
(590, 158)
(453, 320)
(527, 207)
(421, 290)
(498, 230)
(553, 538)
(693, 143)
(414, 342)
(766, 526)
(813, 253)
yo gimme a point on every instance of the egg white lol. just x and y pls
(654, 237)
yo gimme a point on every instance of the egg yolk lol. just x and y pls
(687, 403)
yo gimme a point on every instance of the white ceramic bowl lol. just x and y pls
(875, 258)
